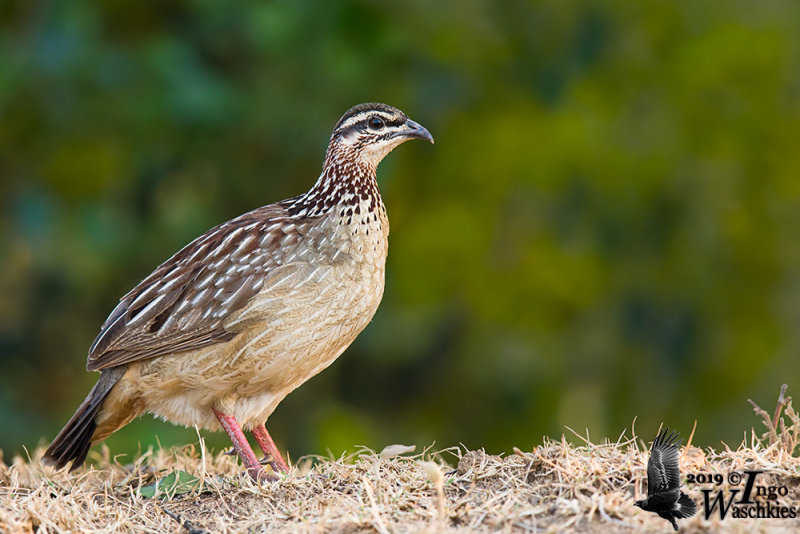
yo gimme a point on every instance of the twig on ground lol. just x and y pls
(776, 427)
(185, 523)
(780, 405)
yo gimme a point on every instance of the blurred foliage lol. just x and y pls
(605, 229)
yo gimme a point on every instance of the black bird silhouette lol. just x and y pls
(664, 496)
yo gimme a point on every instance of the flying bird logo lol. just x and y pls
(664, 496)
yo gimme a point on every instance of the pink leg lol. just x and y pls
(240, 445)
(268, 447)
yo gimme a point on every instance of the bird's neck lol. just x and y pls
(344, 181)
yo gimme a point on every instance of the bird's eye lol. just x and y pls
(376, 123)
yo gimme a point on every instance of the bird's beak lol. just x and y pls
(414, 130)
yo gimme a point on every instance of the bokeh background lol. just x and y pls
(606, 228)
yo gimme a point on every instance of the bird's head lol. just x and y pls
(640, 504)
(368, 132)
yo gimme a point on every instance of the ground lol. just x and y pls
(566, 485)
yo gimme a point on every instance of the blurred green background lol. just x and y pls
(606, 228)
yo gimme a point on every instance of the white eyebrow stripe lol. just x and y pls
(363, 115)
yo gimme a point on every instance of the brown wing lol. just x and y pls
(183, 304)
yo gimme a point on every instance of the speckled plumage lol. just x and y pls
(254, 307)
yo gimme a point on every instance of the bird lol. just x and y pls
(664, 496)
(221, 332)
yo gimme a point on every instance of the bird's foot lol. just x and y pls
(272, 455)
(260, 475)
(242, 447)
(273, 463)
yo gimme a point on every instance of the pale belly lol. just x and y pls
(288, 335)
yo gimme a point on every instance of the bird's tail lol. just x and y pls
(75, 439)
(685, 507)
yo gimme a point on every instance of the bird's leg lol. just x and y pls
(674, 523)
(268, 447)
(240, 445)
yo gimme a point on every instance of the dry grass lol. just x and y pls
(556, 487)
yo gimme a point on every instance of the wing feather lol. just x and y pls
(663, 472)
(183, 304)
